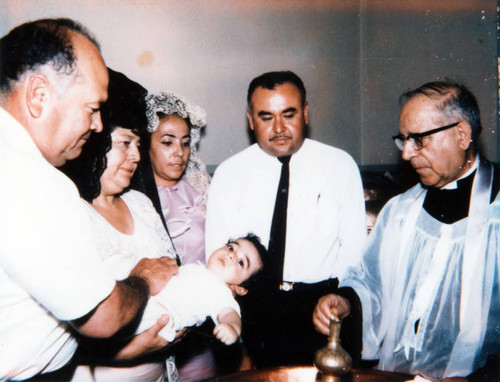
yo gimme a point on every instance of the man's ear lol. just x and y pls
(250, 120)
(464, 135)
(36, 94)
(306, 113)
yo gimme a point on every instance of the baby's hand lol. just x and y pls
(226, 333)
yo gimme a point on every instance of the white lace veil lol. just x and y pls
(168, 104)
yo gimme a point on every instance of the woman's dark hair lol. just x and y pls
(261, 249)
(125, 108)
(37, 43)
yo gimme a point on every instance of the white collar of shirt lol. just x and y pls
(18, 137)
(301, 151)
(453, 185)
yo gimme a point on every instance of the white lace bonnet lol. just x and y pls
(168, 104)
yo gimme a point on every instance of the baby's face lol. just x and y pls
(235, 262)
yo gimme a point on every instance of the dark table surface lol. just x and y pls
(310, 373)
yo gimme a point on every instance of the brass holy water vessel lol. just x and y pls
(333, 359)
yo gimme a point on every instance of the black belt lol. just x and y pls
(288, 287)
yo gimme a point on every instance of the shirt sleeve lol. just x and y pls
(216, 226)
(353, 217)
(366, 279)
(47, 245)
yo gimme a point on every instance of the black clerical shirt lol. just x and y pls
(450, 206)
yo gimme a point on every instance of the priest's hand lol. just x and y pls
(330, 307)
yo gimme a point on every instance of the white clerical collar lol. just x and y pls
(453, 185)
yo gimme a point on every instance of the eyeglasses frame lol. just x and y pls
(417, 137)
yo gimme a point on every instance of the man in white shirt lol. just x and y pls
(429, 278)
(52, 83)
(325, 217)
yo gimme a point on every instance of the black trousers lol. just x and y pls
(277, 327)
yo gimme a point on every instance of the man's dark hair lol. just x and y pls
(272, 79)
(261, 249)
(126, 108)
(38, 43)
(455, 98)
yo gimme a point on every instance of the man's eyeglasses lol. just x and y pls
(400, 139)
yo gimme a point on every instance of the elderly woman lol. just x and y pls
(127, 225)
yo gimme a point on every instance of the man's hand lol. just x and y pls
(156, 272)
(226, 333)
(146, 342)
(329, 307)
(128, 298)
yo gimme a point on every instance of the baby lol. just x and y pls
(200, 291)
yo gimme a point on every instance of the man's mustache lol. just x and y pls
(279, 136)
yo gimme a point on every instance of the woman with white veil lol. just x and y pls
(175, 179)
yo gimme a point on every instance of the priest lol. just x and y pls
(429, 278)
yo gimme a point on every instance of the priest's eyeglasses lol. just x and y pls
(416, 138)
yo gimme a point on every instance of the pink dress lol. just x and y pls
(181, 205)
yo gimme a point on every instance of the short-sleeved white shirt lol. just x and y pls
(49, 269)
